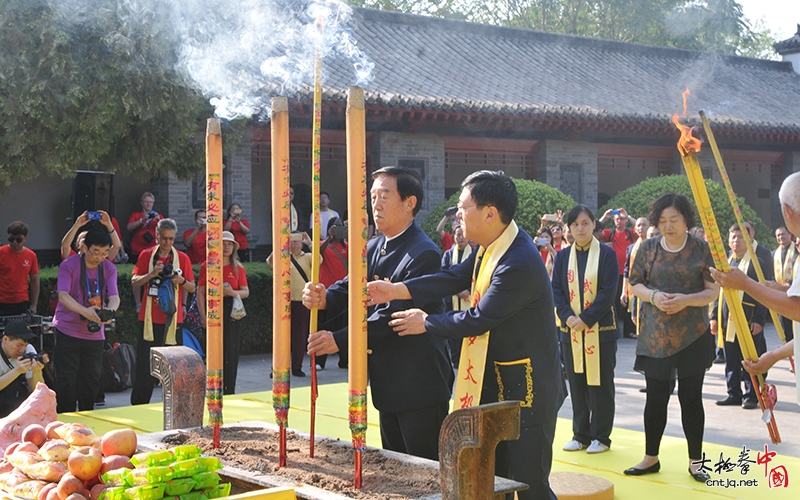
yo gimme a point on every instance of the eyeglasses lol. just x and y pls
(18, 239)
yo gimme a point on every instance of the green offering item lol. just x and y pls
(210, 464)
(186, 468)
(205, 480)
(195, 495)
(147, 492)
(114, 493)
(152, 459)
(179, 487)
(151, 475)
(186, 451)
(116, 477)
(218, 491)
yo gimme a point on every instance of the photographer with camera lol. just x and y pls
(85, 221)
(240, 228)
(21, 368)
(445, 238)
(142, 226)
(162, 273)
(87, 300)
(195, 239)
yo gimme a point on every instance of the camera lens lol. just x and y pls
(93, 327)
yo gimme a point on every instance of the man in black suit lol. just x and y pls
(756, 315)
(409, 376)
(516, 309)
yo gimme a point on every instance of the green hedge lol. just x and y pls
(535, 200)
(256, 329)
(636, 200)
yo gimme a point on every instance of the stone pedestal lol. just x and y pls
(183, 379)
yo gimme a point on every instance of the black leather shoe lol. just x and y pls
(699, 476)
(633, 471)
(749, 404)
(729, 401)
(298, 373)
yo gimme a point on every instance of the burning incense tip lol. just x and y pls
(213, 127)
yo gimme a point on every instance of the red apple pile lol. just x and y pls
(64, 461)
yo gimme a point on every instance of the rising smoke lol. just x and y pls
(239, 53)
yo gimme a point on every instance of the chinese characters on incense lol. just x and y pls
(214, 275)
(281, 269)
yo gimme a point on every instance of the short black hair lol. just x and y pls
(575, 211)
(198, 212)
(598, 226)
(678, 201)
(408, 182)
(735, 227)
(18, 228)
(325, 193)
(97, 238)
(493, 188)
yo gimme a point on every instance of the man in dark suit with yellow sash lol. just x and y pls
(510, 349)
(756, 317)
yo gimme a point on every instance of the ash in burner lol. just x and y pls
(331, 469)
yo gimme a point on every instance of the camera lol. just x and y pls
(151, 214)
(542, 241)
(203, 221)
(104, 315)
(34, 356)
(615, 212)
(341, 232)
(236, 211)
(94, 216)
(551, 217)
(451, 211)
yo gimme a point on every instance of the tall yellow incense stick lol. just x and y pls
(357, 272)
(316, 232)
(688, 147)
(281, 269)
(738, 213)
(214, 279)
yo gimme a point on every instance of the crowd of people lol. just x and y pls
(515, 315)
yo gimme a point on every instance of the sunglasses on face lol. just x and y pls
(18, 239)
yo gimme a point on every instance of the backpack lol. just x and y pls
(166, 298)
(190, 341)
(628, 235)
(119, 367)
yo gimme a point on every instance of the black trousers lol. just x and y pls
(231, 343)
(592, 406)
(788, 328)
(735, 374)
(144, 384)
(415, 432)
(79, 364)
(300, 319)
(14, 309)
(528, 460)
(623, 316)
(693, 417)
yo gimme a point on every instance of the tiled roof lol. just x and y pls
(790, 45)
(446, 65)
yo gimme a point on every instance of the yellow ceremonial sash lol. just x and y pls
(588, 341)
(473, 350)
(169, 338)
(784, 270)
(458, 258)
(629, 291)
(730, 329)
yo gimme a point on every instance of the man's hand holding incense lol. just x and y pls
(314, 296)
(409, 322)
(735, 278)
(322, 342)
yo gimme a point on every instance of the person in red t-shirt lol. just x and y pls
(332, 269)
(240, 228)
(445, 238)
(17, 264)
(82, 222)
(195, 239)
(142, 226)
(154, 265)
(620, 238)
(235, 285)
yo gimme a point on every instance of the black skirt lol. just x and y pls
(695, 359)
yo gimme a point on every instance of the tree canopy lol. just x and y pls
(91, 85)
(708, 25)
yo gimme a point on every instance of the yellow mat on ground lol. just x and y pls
(673, 482)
